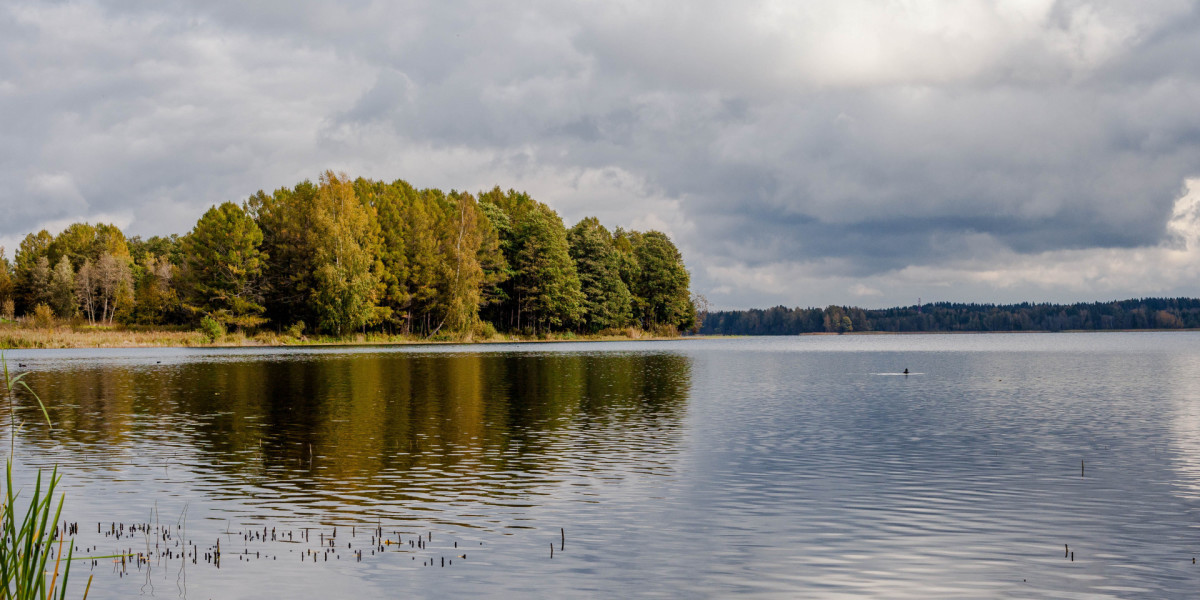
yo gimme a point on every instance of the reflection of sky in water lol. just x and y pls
(1184, 441)
(706, 468)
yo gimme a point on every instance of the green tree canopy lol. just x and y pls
(286, 220)
(223, 266)
(606, 299)
(344, 239)
(32, 248)
(546, 285)
(392, 203)
(6, 279)
(344, 256)
(662, 284)
(84, 241)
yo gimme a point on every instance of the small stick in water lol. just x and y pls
(1066, 550)
(1081, 468)
(564, 538)
(551, 550)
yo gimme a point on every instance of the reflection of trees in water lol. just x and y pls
(474, 422)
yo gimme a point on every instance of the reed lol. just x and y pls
(27, 537)
(27, 542)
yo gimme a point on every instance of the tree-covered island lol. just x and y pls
(354, 259)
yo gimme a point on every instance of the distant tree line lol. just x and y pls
(341, 256)
(1145, 313)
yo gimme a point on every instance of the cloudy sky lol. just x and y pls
(863, 152)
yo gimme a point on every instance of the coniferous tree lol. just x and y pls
(286, 221)
(607, 302)
(26, 291)
(6, 283)
(39, 282)
(223, 264)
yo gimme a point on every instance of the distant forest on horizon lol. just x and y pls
(1142, 313)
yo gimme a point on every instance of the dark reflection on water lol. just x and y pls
(705, 468)
(383, 432)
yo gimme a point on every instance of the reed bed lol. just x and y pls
(18, 335)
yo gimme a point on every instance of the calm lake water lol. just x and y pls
(760, 467)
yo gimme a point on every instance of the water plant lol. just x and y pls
(27, 542)
(27, 539)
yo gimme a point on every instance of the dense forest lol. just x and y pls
(343, 256)
(1146, 313)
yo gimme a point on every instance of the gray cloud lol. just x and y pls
(856, 150)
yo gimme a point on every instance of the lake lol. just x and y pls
(699, 468)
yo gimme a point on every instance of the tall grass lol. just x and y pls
(27, 538)
(28, 541)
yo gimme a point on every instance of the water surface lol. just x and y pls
(762, 467)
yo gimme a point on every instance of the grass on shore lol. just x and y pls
(65, 334)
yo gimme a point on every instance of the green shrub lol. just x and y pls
(296, 330)
(43, 315)
(212, 329)
(484, 330)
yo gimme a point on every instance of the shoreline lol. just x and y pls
(66, 337)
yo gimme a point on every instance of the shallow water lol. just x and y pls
(771, 467)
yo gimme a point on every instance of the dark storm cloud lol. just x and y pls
(797, 141)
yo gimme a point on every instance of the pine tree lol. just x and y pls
(33, 248)
(286, 221)
(223, 267)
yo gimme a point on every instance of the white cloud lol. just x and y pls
(1167, 269)
(796, 151)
